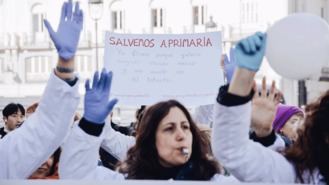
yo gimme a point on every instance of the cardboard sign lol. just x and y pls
(149, 68)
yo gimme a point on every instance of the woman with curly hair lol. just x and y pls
(310, 153)
(168, 145)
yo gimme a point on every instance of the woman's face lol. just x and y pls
(291, 127)
(173, 135)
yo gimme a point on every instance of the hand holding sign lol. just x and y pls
(298, 46)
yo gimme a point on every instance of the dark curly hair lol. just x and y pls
(311, 150)
(142, 159)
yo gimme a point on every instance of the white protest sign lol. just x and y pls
(150, 68)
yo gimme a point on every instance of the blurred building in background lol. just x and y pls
(27, 54)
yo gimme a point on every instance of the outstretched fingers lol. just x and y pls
(51, 31)
(264, 90)
(69, 10)
(95, 80)
(272, 91)
(108, 83)
(278, 97)
(102, 79)
(87, 85)
(80, 17)
(76, 13)
(63, 12)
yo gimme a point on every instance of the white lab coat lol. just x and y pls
(249, 161)
(80, 155)
(116, 143)
(25, 149)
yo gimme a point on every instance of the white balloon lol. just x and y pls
(298, 46)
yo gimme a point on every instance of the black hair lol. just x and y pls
(13, 108)
(142, 160)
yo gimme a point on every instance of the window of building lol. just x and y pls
(84, 65)
(157, 17)
(38, 15)
(2, 65)
(255, 12)
(195, 15)
(117, 20)
(38, 68)
(249, 12)
(117, 15)
(198, 14)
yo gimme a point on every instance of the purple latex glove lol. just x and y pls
(229, 66)
(66, 38)
(97, 105)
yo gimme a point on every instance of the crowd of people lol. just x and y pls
(249, 135)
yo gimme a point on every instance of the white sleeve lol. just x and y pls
(248, 161)
(116, 143)
(79, 158)
(25, 149)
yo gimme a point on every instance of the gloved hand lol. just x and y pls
(229, 66)
(68, 33)
(96, 103)
(249, 52)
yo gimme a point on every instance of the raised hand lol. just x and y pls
(96, 103)
(249, 52)
(68, 33)
(264, 105)
(229, 66)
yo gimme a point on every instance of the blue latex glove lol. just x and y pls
(68, 33)
(249, 52)
(229, 66)
(97, 105)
